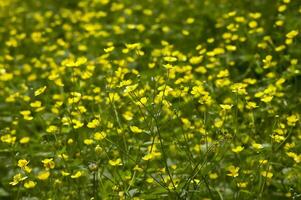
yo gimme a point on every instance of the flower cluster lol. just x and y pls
(177, 99)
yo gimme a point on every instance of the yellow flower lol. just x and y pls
(70, 141)
(98, 149)
(128, 115)
(196, 60)
(218, 123)
(6, 76)
(7, 138)
(40, 91)
(125, 83)
(297, 158)
(29, 184)
(25, 112)
(242, 184)
(109, 49)
(170, 59)
(133, 46)
(237, 149)
(36, 104)
(52, 129)
(190, 20)
(225, 106)
(266, 174)
(168, 66)
(261, 161)
(72, 63)
(43, 175)
(251, 105)
(282, 8)
(143, 100)
(213, 175)
(135, 129)
(257, 146)
(233, 171)
(231, 48)
(77, 124)
(291, 120)
(148, 157)
(63, 156)
(65, 173)
(94, 123)
(267, 99)
(292, 34)
(80, 61)
(99, 136)
(104, 1)
(198, 90)
(48, 163)
(17, 178)
(115, 162)
(130, 88)
(77, 175)
(22, 163)
(223, 73)
(24, 140)
(253, 24)
(150, 180)
(88, 141)
(239, 88)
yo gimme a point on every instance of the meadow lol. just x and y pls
(153, 99)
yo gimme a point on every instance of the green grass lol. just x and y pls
(169, 99)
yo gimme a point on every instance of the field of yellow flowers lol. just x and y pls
(153, 99)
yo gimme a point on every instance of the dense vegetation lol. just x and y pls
(170, 99)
